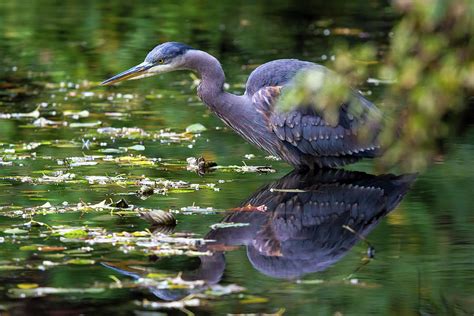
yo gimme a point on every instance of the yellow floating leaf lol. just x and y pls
(81, 261)
(254, 300)
(27, 286)
(140, 234)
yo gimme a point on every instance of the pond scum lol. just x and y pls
(68, 245)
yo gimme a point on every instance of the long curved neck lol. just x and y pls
(238, 112)
(211, 90)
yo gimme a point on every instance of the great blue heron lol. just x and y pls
(300, 136)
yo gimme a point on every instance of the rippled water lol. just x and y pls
(302, 248)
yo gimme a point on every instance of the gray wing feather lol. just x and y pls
(305, 129)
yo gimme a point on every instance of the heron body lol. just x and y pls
(300, 136)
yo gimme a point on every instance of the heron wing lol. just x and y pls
(305, 128)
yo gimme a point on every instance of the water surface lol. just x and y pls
(52, 56)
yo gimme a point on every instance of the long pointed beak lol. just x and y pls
(131, 73)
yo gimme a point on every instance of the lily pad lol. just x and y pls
(195, 128)
(228, 225)
(15, 231)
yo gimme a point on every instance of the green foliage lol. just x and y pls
(325, 90)
(432, 60)
(430, 65)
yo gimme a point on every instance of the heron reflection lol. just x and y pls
(302, 223)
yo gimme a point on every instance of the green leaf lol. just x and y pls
(80, 261)
(10, 268)
(15, 231)
(196, 128)
(76, 234)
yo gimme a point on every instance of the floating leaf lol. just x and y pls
(80, 261)
(76, 114)
(10, 267)
(136, 147)
(140, 234)
(228, 225)
(181, 304)
(29, 248)
(135, 160)
(76, 234)
(195, 128)
(42, 122)
(247, 169)
(33, 114)
(43, 291)
(220, 290)
(194, 209)
(51, 248)
(251, 299)
(85, 125)
(112, 151)
(15, 231)
(314, 281)
(99, 205)
(157, 275)
(27, 286)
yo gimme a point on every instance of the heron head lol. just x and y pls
(163, 58)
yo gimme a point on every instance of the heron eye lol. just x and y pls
(160, 61)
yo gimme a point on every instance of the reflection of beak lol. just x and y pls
(139, 70)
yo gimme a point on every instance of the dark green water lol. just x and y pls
(53, 54)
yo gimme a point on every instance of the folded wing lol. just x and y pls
(305, 128)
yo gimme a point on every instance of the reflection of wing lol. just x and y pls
(210, 270)
(306, 130)
(302, 231)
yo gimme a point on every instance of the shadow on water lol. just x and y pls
(299, 224)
